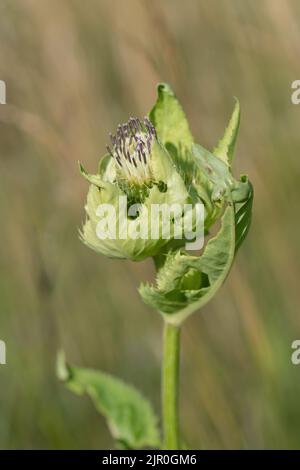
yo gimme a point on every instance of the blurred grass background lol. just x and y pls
(73, 71)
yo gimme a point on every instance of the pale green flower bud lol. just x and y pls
(139, 170)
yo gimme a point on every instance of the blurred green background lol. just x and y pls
(74, 70)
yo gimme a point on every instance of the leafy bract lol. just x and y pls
(226, 146)
(220, 177)
(185, 283)
(169, 118)
(172, 126)
(129, 415)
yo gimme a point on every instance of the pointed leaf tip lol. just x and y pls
(93, 179)
(171, 124)
(62, 370)
(81, 168)
(165, 88)
(226, 146)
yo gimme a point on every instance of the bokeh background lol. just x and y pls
(74, 70)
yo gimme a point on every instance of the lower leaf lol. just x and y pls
(129, 415)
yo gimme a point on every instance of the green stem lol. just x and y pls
(170, 386)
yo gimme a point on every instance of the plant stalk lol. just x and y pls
(170, 386)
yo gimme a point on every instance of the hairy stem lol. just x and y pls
(170, 386)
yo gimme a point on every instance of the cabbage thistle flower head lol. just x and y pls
(137, 173)
(155, 161)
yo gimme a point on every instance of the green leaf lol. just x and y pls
(219, 252)
(225, 148)
(171, 124)
(129, 415)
